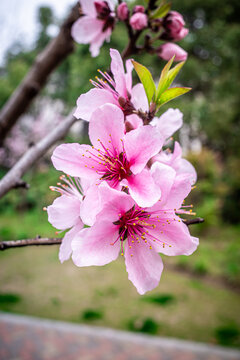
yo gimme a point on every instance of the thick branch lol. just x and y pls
(56, 51)
(13, 177)
(4, 245)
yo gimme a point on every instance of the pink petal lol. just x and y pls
(164, 177)
(88, 7)
(179, 191)
(134, 121)
(66, 245)
(128, 75)
(107, 125)
(91, 205)
(86, 29)
(143, 189)
(118, 72)
(73, 159)
(92, 246)
(87, 103)
(64, 212)
(144, 267)
(185, 167)
(169, 122)
(175, 234)
(98, 40)
(139, 98)
(113, 202)
(140, 145)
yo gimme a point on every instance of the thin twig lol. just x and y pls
(55, 52)
(13, 177)
(4, 245)
(197, 220)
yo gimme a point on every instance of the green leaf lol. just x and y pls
(161, 11)
(167, 76)
(163, 77)
(146, 79)
(170, 94)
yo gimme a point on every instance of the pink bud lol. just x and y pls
(139, 21)
(122, 11)
(174, 27)
(138, 8)
(168, 50)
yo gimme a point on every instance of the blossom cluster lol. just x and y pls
(99, 18)
(128, 187)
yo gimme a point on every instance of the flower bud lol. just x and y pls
(138, 9)
(168, 50)
(173, 24)
(139, 21)
(122, 11)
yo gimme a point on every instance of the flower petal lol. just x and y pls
(92, 246)
(86, 29)
(169, 122)
(114, 202)
(73, 159)
(128, 75)
(66, 245)
(144, 267)
(87, 103)
(140, 145)
(176, 234)
(91, 205)
(179, 191)
(139, 98)
(118, 72)
(64, 212)
(143, 189)
(98, 40)
(164, 177)
(107, 125)
(88, 7)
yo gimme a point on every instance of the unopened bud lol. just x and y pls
(139, 21)
(122, 11)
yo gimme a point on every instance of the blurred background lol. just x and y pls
(198, 296)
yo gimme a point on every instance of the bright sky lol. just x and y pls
(18, 20)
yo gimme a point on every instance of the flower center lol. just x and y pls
(111, 165)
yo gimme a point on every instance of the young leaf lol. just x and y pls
(168, 78)
(146, 79)
(170, 94)
(163, 77)
(161, 11)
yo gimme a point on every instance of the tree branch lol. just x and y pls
(4, 245)
(55, 52)
(197, 220)
(13, 177)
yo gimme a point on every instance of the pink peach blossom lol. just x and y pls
(139, 233)
(139, 21)
(116, 157)
(116, 90)
(122, 11)
(64, 213)
(182, 166)
(168, 50)
(96, 25)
